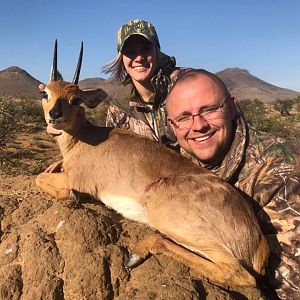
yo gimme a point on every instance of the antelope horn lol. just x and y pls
(54, 72)
(77, 72)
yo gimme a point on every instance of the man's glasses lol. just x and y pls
(208, 114)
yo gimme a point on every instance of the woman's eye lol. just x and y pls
(129, 52)
(146, 49)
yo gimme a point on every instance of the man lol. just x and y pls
(212, 132)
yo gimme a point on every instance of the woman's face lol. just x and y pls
(139, 59)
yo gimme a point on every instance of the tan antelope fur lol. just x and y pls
(205, 222)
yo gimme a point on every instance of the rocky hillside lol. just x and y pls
(244, 85)
(110, 87)
(241, 83)
(16, 82)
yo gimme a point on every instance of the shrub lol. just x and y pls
(255, 112)
(8, 120)
(259, 115)
(284, 106)
(98, 115)
(29, 110)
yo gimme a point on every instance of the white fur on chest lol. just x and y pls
(127, 206)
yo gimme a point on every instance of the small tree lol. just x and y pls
(284, 106)
(254, 111)
(297, 104)
(8, 124)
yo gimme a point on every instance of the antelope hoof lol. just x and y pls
(134, 261)
(75, 198)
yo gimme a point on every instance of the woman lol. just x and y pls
(146, 74)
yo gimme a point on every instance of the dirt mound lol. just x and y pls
(52, 250)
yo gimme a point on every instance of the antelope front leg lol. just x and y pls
(55, 184)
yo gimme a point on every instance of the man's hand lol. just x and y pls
(55, 167)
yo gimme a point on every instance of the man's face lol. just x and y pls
(208, 140)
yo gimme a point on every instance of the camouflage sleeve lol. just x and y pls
(116, 118)
(282, 216)
(278, 190)
(274, 183)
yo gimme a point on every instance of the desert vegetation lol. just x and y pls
(7, 124)
(280, 118)
(22, 137)
(24, 142)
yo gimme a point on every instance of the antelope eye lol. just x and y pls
(44, 95)
(75, 101)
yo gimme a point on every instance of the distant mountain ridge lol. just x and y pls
(15, 81)
(244, 85)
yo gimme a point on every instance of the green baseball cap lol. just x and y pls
(139, 27)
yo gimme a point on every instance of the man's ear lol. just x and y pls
(233, 110)
(171, 124)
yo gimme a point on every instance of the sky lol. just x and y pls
(262, 36)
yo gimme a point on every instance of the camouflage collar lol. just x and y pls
(233, 161)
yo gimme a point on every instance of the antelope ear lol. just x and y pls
(91, 98)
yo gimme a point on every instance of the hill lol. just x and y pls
(109, 86)
(244, 85)
(16, 82)
(241, 83)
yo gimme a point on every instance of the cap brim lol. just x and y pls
(136, 33)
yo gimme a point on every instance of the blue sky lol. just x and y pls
(262, 36)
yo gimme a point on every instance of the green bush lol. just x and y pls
(284, 106)
(259, 115)
(30, 110)
(8, 120)
(255, 112)
(98, 115)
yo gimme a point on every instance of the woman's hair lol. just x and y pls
(116, 69)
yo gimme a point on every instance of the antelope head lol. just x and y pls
(61, 100)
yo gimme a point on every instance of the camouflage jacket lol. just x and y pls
(127, 110)
(265, 169)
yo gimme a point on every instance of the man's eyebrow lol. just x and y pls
(184, 113)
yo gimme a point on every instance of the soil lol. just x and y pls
(54, 250)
